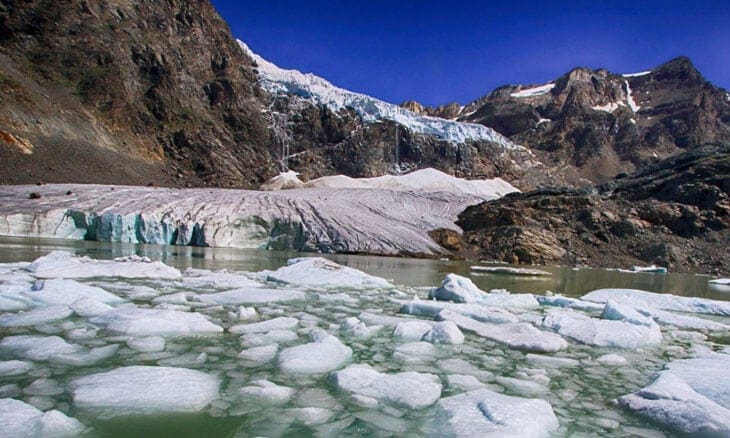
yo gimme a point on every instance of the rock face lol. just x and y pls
(675, 213)
(600, 123)
(160, 86)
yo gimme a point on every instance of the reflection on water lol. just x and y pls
(405, 271)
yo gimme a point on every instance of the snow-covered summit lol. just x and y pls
(319, 91)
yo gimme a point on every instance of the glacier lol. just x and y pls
(319, 91)
(328, 220)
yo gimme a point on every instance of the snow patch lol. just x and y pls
(534, 91)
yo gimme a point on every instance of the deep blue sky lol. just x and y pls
(443, 51)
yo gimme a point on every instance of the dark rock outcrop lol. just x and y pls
(674, 213)
(128, 92)
(594, 124)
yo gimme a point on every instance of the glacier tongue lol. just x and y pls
(319, 91)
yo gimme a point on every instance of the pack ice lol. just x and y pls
(144, 390)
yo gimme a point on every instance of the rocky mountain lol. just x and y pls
(594, 124)
(129, 92)
(675, 213)
(324, 129)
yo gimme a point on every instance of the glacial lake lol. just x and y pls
(582, 396)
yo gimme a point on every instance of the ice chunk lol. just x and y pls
(612, 360)
(414, 352)
(150, 322)
(250, 296)
(19, 420)
(463, 382)
(458, 289)
(571, 303)
(245, 313)
(462, 290)
(54, 292)
(38, 348)
(144, 390)
(14, 367)
(474, 311)
(176, 298)
(265, 353)
(520, 336)
(671, 401)
(85, 357)
(602, 333)
(723, 281)
(43, 387)
(220, 279)
(486, 413)
(357, 329)
(36, 316)
(411, 330)
(622, 312)
(642, 299)
(87, 307)
(149, 344)
(62, 264)
(319, 272)
(280, 323)
(460, 366)
(263, 391)
(445, 332)
(409, 390)
(324, 354)
(272, 337)
(683, 321)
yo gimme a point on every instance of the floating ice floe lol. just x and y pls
(505, 270)
(280, 323)
(150, 322)
(642, 299)
(723, 281)
(38, 348)
(522, 387)
(197, 278)
(87, 307)
(414, 352)
(520, 336)
(319, 272)
(268, 338)
(144, 390)
(622, 312)
(250, 296)
(35, 316)
(570, 303)
(147, 344)
(475, 311)
(324, 354)
(444, 332)
(62, 264)
(552, 361)
(14, 367)
(691, 396)
(358, 329)
(486, 413)
(410, 390)
(263, 391)
(462, 290)
(683, 321)
(612, 360)
(21, 420)
(54, 292)
(262, 354)
(600, 332)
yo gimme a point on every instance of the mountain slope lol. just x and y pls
(133, 92)
(594, 124)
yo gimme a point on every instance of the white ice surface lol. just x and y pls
(600, 332)
(409, 390)
(520, 336)
(144, 390)
(155, 322)
(691, 396)
(320, 272)
(486, 413)
(478, 312)
(321, 92)
(643, 299)
(280, 323)
(14, 367)
(35, 316)
(268, 393)
(250, 295)
(462, 290)
(21, 420)
(62, 264)
(324, 354)
(534, 91)
(37, 348)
